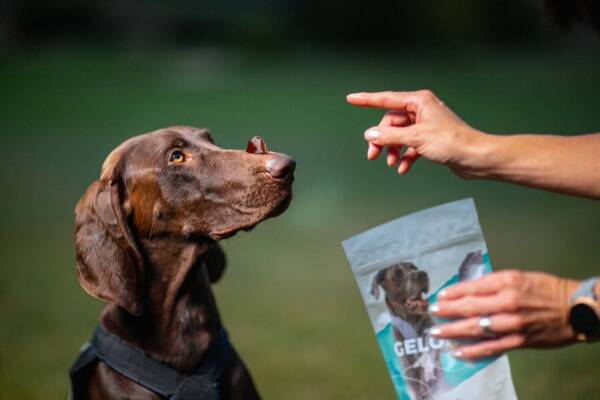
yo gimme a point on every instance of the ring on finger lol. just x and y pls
(485, 323)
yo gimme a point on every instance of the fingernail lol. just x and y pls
(434, 308)
(354, 95)
(443, 293)
(402, 168)
(457, 354)
(371, 134)
(435, 331)
(371, 152)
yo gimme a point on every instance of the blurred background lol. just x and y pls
(78, 77)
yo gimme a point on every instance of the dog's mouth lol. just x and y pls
(282, 206)
(417, 304)
(279, 209)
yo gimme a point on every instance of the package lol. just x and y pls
(400, 268)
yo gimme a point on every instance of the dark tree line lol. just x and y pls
(24, 22)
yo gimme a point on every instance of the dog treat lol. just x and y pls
(256, 145)
(400, 267)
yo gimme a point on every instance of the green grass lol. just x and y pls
(288, 297)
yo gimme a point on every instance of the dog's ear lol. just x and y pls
(472, 266)
(215, 262)
(109, 264)
(377, 279)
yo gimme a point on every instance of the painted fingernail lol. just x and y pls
(371, 134)
(434, 308)
(457, 354)
(435, 331)
(443, 293)
(371, 151)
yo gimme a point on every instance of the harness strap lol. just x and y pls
(150, 373)
(80, 372)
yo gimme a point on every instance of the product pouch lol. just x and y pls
(400, 267)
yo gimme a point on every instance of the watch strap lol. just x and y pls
(586, 289)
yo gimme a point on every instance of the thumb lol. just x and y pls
(394, 135)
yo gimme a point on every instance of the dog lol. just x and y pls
(146, 243)
(404, 286)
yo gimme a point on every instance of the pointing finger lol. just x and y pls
(386, 100)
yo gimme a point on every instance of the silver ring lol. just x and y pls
(485, 323)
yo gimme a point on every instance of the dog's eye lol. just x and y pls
(177, 157)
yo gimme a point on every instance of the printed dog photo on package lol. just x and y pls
(400, 267)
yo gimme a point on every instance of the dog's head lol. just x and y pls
(174, 183)
(404, 286)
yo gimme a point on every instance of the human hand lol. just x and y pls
(526, 309)
(422, 123)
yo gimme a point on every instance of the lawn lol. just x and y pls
(288, 297)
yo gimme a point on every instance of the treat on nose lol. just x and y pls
(281, 166)
(256, 145)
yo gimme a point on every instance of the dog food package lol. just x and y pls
(400, 268)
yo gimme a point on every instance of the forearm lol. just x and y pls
(564, 164)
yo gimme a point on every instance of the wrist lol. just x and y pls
(479, 151)
(569, 287)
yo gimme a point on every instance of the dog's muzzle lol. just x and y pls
(279, 166)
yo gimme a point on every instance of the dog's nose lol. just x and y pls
(256, 145)
(281, 166)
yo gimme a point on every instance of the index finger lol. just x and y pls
(387, 100)
(485, 285)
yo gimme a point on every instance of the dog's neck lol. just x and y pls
(180, 318)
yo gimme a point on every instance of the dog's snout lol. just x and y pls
(256, 145)
(281, 166)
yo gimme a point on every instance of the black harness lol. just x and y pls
(148, 372)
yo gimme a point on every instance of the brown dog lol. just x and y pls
(146, 238)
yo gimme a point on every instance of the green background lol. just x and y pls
(288, 297)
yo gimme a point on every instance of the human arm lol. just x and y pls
(421, 123)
